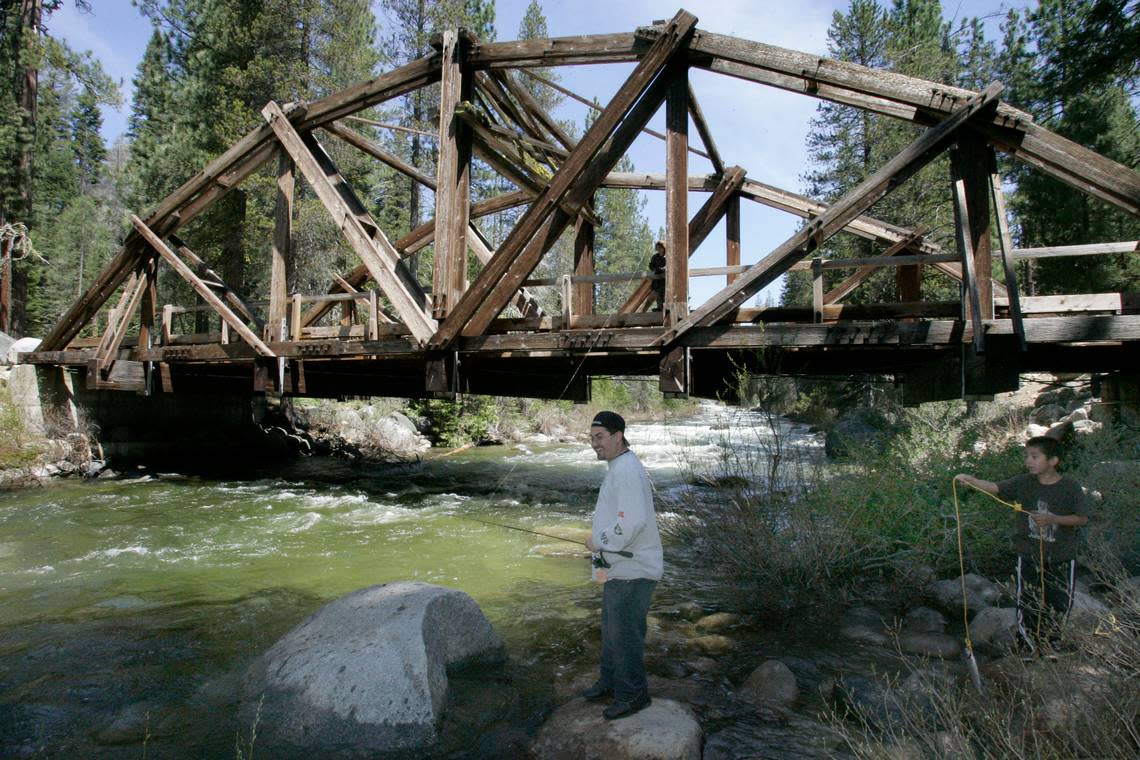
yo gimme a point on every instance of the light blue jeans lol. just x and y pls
(625, 603)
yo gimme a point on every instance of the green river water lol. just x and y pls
(129, 609)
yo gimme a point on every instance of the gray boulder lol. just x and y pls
(1047, 414)
(666, 730)
(924, 620)
(773, 683)
(368, 672)
(994, 629)
(1087, 611)
(23, 345)
(980, 593)
(929, 644)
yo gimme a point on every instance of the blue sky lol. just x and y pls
(759, 128)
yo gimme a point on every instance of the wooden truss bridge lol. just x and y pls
(402, 337)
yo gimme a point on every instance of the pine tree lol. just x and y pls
(1044, 57)
(842, 138)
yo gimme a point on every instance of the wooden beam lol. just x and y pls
(704, 131)
(531, 107)
(972, 164)
(203, 290)
(843, 289)
(812, 235)
(583, 297)
(732, 235)
(919, 101)
(676, 305)
(362, 143)
(561, 51)
(971, 304)
(376, 253)
(129, 302)
(213, 280)
(453, 194)
(542, 223)
(150, 301)
(282, 252)
(1005, 241)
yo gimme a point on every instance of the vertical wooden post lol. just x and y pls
(817, 290)
(567, 301)
(677, 194)
(908, 282)
(453, 181)
(583, 298)
(282, 249)
(732, 236)
(298, 325)
(373, 315)
(971, 301)
(149, 302)
(167, 324)
(972, 166)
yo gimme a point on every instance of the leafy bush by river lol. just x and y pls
(815, 531)
(795, 532)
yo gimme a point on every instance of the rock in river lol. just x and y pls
(666, 730)
(368, 672)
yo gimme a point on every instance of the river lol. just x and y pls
(129, 608)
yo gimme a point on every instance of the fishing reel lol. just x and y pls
(599, 560)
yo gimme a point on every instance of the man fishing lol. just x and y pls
(624, 521)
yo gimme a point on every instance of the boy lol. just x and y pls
(1055, 507)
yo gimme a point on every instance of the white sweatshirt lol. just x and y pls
(624, 520)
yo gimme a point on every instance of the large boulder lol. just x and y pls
(666, 730)
(773, 683)
(23, 345)
(994, 629)
(980, 593)
(368, 672)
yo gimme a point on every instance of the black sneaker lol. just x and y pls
(625, 709)
(597, 692)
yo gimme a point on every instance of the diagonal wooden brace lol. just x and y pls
(369, 242)
(896, 171)
(202, 289)
(108, 349)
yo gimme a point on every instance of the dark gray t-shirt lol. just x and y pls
(1065, 497)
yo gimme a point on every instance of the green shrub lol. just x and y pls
(456, 423)
(820, 530)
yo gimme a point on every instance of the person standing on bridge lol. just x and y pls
(624, 521)
(657, 265)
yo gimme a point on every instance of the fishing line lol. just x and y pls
(625, 554)
(973, 665)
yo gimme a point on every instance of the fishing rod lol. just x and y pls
(625, 554)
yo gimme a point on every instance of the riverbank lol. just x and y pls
(132, 608)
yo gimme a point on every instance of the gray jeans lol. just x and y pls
(624, 607)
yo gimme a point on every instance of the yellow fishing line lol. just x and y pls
(962, 558)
